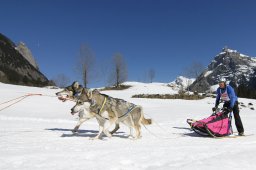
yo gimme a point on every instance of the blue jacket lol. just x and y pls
(231, 94)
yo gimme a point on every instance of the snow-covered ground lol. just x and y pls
(36, 134)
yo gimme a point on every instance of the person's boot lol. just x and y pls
(241, 133)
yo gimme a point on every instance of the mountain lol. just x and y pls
(15, 68)
(237, 68)
(26, 53)
(181, 83)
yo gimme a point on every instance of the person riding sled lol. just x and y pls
(227, 94)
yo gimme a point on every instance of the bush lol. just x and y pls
(246, 92)
(169, 96)
(120, 87)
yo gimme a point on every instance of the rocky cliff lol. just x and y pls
(237, 68)
(26, 53)
(15, 68)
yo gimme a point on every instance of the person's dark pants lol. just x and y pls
(238, 121)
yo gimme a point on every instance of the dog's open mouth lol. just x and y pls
(73, 112)
(63, 98)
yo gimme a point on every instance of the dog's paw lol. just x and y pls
(135, 137)
(131, 137)
(74, 131)
(109, 135)
(95, 138)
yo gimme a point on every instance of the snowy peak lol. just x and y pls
(237, 68)
(231, 58)
(231, 64)
(181, 83)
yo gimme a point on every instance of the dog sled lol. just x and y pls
(216, 125)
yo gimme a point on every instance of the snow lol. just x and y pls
(243, 68)
(208, 73)
(36, 134)
(230, 50)
(253, 59)
(213, 88)
(253, 62)
(147, 88)
(246, 56)
(181, 82)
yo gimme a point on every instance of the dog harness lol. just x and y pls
(104, 102)
(128, 111)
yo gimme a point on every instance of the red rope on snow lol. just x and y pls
(20, 99)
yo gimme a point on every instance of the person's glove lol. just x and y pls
(227, 110)
(230, 109)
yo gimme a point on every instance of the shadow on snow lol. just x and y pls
(85, 133)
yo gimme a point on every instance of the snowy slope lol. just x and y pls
(35, 134)
(144, 88)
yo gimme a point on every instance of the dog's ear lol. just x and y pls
(84, 95)
(79, 102)
(84, 91)
(96, 91)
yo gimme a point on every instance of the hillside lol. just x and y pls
(15, 68)
(237, 68)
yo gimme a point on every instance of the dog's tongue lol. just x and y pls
(62, 98)
(73, 113)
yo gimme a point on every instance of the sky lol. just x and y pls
(164, 35)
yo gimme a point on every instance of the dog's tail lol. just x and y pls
(145, 121)
(142, 119)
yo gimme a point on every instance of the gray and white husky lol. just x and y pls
(68, 95)
(85, 114)
(83, 110)
(118, 111)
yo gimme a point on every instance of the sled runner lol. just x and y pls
(216, 125)
(234, 136)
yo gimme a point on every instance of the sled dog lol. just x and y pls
(85, 114)
(68, 95)
(83, 109)
(118, 111)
